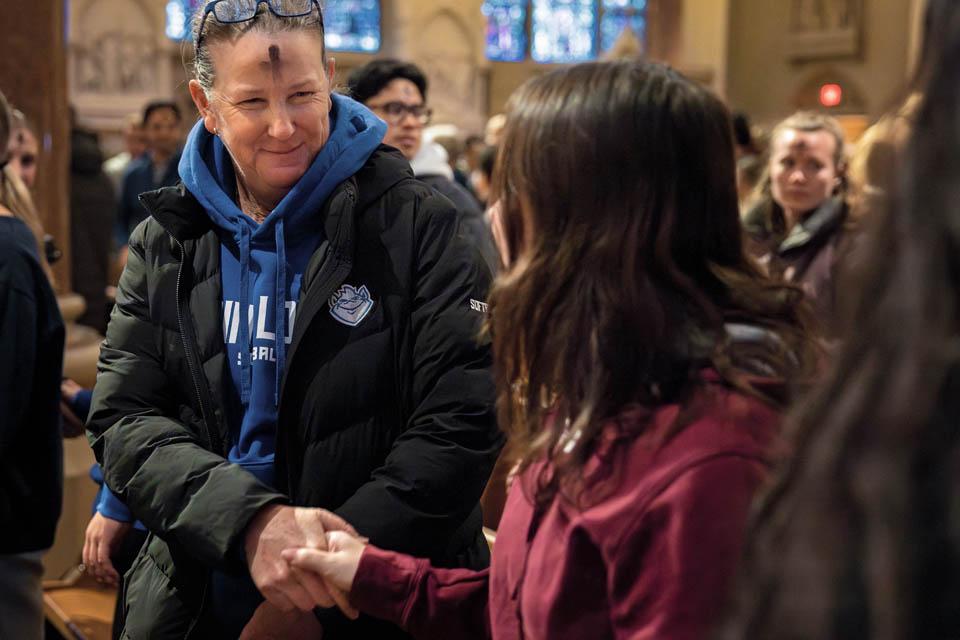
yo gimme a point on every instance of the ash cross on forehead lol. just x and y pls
(275, 63)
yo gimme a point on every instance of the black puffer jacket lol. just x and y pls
(475, 227)
(389, 423)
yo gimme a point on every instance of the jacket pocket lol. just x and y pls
(156, 607)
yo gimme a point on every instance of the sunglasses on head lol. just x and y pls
(236, 11)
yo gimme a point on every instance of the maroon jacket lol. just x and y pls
(653, 559)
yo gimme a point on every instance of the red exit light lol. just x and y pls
(831, 95)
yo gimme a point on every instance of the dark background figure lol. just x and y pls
(135, 145)
(397, 92)
(24, 148)
(92, 201)
(31, 450)
(155, 169)
(455, 149)
(483, 176)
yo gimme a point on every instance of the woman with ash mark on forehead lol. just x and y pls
(248, 400)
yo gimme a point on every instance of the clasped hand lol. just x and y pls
(299, 558)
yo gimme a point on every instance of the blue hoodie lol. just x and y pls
(262, 265)
(261, 270)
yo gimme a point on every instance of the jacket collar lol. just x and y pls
(183, 217)
(177, 211)
(386, 168)
(818, 225)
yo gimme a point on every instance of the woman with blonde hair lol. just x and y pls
(14, 193)
(31, 341)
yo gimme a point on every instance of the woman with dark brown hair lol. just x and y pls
(860, 537)
(634, 345)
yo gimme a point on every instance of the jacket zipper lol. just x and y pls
(213, 437)
(213, 440)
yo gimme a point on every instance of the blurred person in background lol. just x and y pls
(31, 450)
(397, 92)
(135, 145)
(750, 159)
(24, 149)
(859, 539)
(22, 164)
(482, 177)
(92, 202)
(799, 225)
(473, 147)
(155, 169)
(493, 132)
(455, 150)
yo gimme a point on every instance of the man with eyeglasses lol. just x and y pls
(396, 91)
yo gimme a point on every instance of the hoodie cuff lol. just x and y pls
(110, 506)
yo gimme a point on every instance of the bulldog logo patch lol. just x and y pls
(350, 305)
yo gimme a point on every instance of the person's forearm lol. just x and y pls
(425, 601)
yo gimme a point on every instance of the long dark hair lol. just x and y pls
(860, 538)
(618, 191)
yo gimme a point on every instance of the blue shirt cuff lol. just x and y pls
(81, 404)
(111, 507)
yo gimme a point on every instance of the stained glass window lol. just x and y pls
(506, 29)
(564, 30)
(617, 16)
(179, 13)
(353, 25)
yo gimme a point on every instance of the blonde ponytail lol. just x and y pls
(14, 194)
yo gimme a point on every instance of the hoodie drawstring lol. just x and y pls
(280, 312)
(281, 309)
(246, 364)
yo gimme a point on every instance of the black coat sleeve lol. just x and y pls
(434, 475)
(156, 465)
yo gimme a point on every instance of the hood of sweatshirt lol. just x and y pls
(432, 160)
(262, 263)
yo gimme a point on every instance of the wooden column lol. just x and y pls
(33, 76)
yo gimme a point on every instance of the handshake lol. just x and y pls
(299, 558)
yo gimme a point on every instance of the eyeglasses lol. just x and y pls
(395, 112)
(234, 11)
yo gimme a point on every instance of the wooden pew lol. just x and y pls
(79, 608)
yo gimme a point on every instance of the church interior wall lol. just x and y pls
(766, 81)
(120, 59)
